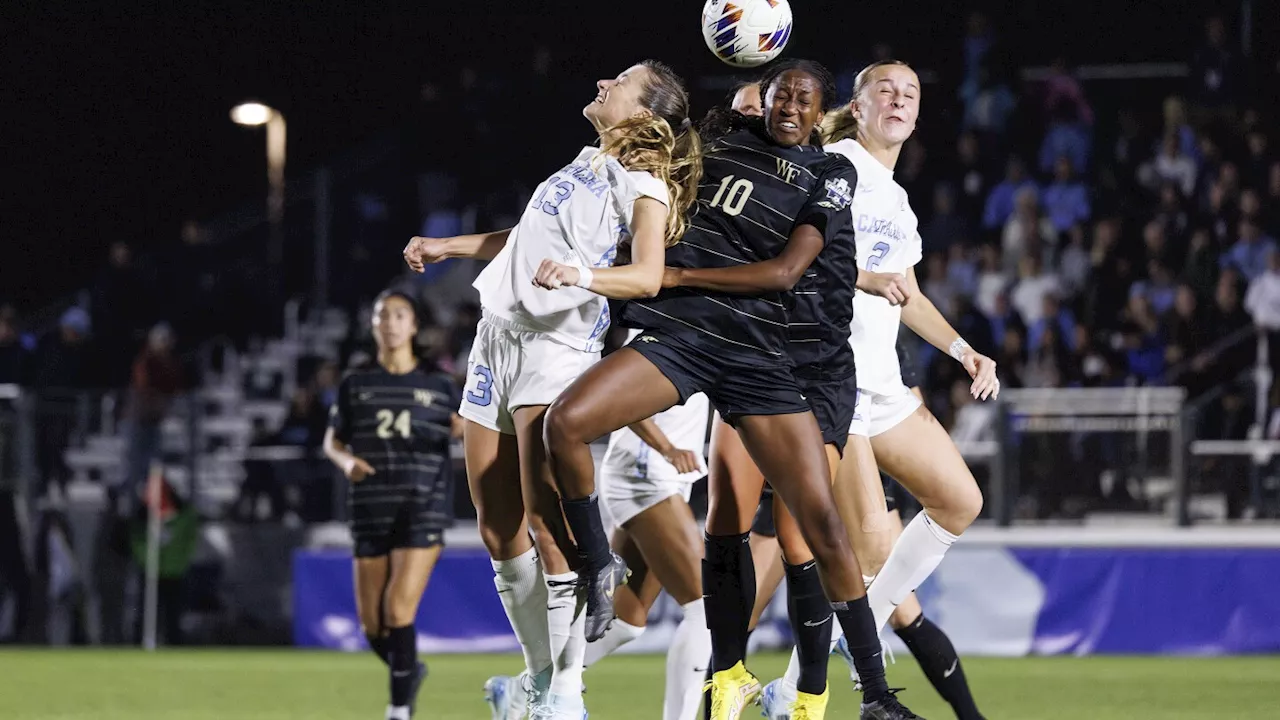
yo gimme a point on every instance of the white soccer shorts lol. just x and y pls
(875, 414)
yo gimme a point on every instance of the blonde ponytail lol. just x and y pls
(648, 144)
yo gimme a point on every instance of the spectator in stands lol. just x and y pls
(992, 281)
(978, 41)
(119, 306)
(1047, 361)
(1175, 123)
(962, 271)
(1158, 288)
(1215, 72)
(1027, 233)
(15, 361)
(1053, 317)
(1066, 199)
(1257, 164)
(157, 378)
(988, 103)
(1263, 303)
(946, 227)
(1012, 356)
(61, 373)
(1034, 283)
(1068, 136)
(1006, 320)
(1144, 341)
(1201, 268)
(1074, 264)
(969, 175)
(1171, 165)
(1112, 275)
(1155, 242)
(1186, 328)
(325, 386)
(936, 284)
(1000, 203)
(1171, 215)
(1127, 154)
(1249, 254)
(1062, 88)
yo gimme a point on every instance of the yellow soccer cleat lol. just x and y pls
(732, 691)
(810, 707)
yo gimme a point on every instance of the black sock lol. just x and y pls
(864, 644)
(938, 659)
(810, 615)
(402, 651)
(729, 591)
(583, 516)
(378, 644)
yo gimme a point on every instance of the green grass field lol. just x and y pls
(272, 685)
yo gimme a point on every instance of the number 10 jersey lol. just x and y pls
(753, 193)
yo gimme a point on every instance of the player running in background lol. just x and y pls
(389, 433)
(770, 203)
(892, 428)
(632, 193)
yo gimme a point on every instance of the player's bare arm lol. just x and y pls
(422, 251)
(924, 318)
(777, 274)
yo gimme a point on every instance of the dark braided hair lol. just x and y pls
(721, 120)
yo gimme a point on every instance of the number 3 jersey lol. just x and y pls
(752, 195)
(400, 425)
(888, 242)
(579, 216)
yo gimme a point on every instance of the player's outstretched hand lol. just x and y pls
(684, 461)
(423, 250)
(983, 371)
(552, 275)
(890, 286)
(356, 469)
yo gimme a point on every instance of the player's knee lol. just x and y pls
(963, 508)
(371, 621)
(400, 610)
(564, 425)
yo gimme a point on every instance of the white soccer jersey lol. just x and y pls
(684, 425)
(888, 241)
(578, 216)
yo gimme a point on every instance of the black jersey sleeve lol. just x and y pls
(340, 413)
(828, 206)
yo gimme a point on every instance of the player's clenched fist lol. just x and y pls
(552, 275)
(423, 250)
(890, 286)
(356, 469)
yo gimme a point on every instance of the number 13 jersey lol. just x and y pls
(579, 216)
(888, 242)
(752, 195)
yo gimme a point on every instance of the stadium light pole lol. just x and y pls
(253, 114)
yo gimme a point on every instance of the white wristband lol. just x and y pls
(958, 346)
(585, 276)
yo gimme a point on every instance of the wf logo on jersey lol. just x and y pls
(423, 398)
(839, 195)
(787, 170)
(880, 226)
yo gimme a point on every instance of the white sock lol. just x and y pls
(687, 664)
(915, 556)
(566, 622)
(523, 592)
(619, 633)
(398, 712)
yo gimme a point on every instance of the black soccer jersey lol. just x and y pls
(819, 323)
(753, 194)
(400, 425)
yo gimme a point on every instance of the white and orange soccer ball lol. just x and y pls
(746, 33)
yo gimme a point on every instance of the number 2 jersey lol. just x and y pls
(579, 216)
(400, 425)
(888, 242)
(753, 193)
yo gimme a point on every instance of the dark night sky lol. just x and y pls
(116, 123)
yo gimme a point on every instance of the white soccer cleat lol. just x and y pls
(508, 697)
(559, 707)
(397, 712)
(842, 649)
(776, 699)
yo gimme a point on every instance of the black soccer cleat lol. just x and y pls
(888, 708)
(601, 587)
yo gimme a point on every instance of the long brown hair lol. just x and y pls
(840, 123)
(663, 143)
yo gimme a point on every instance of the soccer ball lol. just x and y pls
(746, 33)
